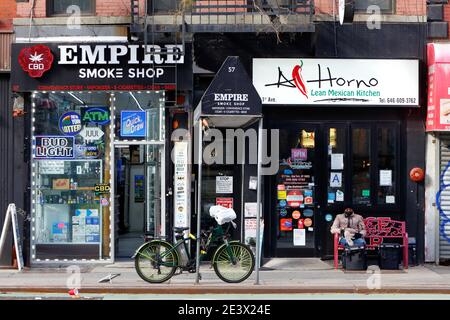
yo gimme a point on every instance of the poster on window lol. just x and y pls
(51, 167)
(385, 178)
(224, 184)
(299, 237)
(53, 147)
(225, 202)
(138, 188)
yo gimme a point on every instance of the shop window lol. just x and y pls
(70, 175)
(336, 159)
(386, 6)
(162, 6)
(386, 145)
(63, 7)
(361, 165)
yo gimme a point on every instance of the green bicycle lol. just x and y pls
(157, 261)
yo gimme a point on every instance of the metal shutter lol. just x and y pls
(444, 213)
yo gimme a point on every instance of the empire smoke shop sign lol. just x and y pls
(337, 81)
(231, 92)
(116, 66)
(53, 147)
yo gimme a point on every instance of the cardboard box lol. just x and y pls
(61, 184)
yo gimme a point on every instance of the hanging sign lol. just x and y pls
(53, 147)
(91, 134)
(70, 123)
(337, 81)
(230, 93)
(133, 123)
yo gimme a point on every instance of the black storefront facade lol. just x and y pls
(346, 154)
(98, 120)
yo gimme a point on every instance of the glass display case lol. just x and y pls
(68, 209)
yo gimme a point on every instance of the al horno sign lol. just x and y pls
(337, 81)
(438, 102)
(99, 66)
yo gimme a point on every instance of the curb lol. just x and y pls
(222, 290)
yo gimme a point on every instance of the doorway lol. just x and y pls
(139, 180)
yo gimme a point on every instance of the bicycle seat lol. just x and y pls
(180, 229)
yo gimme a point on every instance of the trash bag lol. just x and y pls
(222, 214)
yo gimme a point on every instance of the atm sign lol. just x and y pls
(98, 115)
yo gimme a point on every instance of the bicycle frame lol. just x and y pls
(213, 235)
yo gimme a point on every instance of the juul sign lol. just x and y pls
(91, 133)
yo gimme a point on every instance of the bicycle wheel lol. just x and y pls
(241, 269)
(153, 268)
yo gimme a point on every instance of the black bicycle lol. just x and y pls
(157, 261)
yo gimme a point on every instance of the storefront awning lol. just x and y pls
(231, 100)
(438, 109)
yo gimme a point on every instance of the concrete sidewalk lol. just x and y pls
(282, 276)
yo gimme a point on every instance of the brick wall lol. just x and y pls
(7, 13)
(447, 16)
(402, 7)
(104, 8)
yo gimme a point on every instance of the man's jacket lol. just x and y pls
(355, 221)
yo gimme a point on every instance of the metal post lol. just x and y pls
(258, 201)
(199, 200)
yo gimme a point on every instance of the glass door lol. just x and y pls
(295, 191)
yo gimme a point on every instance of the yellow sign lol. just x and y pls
(281, 194)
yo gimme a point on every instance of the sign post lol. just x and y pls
(11, 218)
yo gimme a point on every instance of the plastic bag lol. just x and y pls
(222, 214)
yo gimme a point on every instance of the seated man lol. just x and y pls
(351, 228)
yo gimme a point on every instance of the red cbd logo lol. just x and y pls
(36, 60)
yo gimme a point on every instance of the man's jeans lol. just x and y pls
(356, 242)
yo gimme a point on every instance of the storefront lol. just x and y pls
(98, 144)
(341, 144)
(437, 230)
(350, 123)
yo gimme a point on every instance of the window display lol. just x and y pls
(68, 209)
(70, 169)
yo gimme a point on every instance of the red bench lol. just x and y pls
(378, 229)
